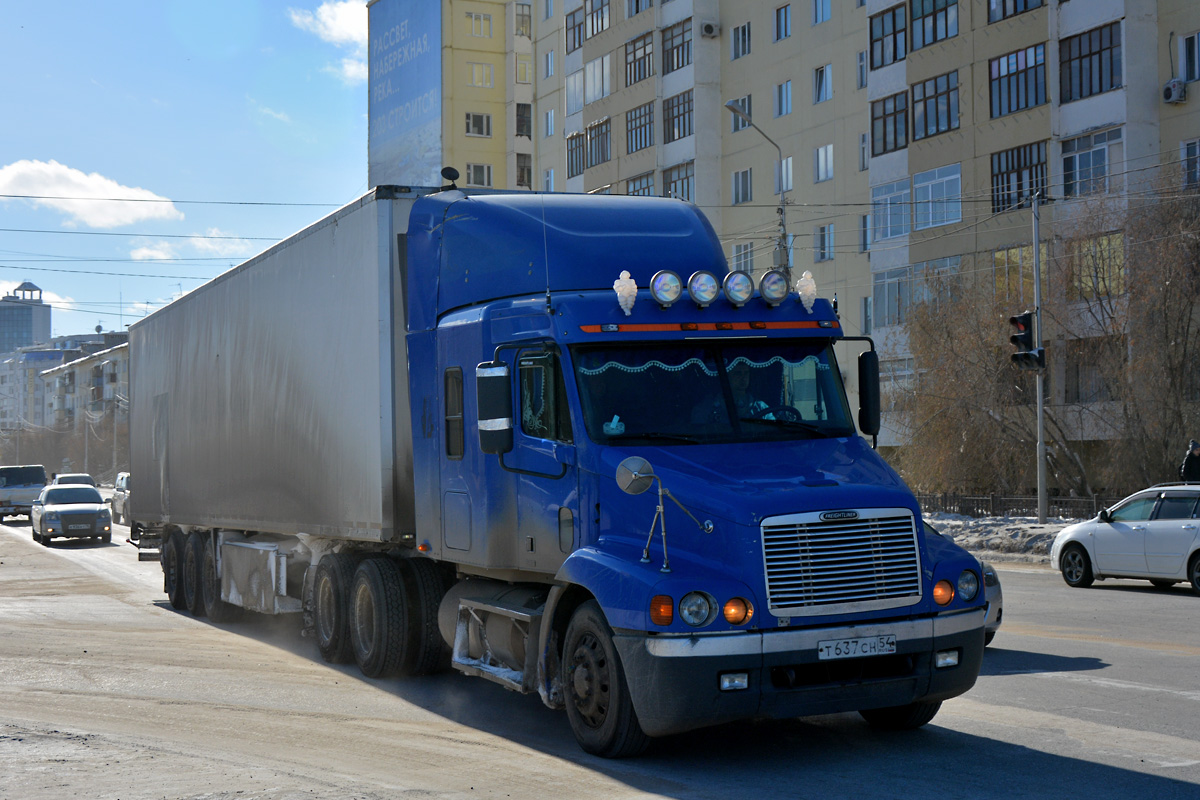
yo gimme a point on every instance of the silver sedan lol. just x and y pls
(70, 511)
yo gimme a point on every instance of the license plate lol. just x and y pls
(856, 648)
(81, 527)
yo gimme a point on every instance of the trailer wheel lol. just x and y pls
(193, 563)
(331, 600)
(599, 706)
(901, 718)
(379, 619)
(171, 556)
(425, 584)
(210, 586)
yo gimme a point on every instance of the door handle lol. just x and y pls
(1139, 527)
(1189, 527)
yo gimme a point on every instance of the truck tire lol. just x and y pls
(331, 606)
(425, 584)
(171, 557)
(210, 586)
(193, 564)
(599, 706)
(901, 718)
(379, 619)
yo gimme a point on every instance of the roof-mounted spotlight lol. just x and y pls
(703, 287)
(774, 287)
(665, 287)
(739, 288)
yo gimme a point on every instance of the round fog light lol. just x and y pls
(738, 611)
(697, 609)
(968, 585)
(943, 593)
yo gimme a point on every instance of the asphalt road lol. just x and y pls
(106, 692)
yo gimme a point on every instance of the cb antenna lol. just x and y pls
(450, 174)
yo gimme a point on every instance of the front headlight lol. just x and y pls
(51, 516)
(968, 585)
(104, 515)
(697, 608)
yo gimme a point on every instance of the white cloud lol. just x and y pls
(48, 179)
(155, 251)
(344, 24)
(222, 246)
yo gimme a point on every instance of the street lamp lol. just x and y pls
(782, 261)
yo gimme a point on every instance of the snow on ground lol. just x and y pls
(1001, 538)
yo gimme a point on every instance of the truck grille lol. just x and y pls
(813, 565)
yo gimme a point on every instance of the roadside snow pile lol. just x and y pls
(1001, 538)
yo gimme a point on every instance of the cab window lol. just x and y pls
(544, 410)
(1137, 509)
(1176, 507)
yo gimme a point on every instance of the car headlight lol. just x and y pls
(104, 515)
(968, 584)
(697, 608)
(989, 574)
(51, 516)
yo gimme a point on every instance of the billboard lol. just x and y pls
(404, 109)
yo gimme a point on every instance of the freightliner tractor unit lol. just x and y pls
(551, 441)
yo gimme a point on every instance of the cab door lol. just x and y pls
(1171, 533)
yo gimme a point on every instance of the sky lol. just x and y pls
(147, 147)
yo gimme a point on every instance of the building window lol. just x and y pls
(575, 92)
(935, 106)
(1018, 80)
(1085, 366)
(889, 42)
(547, 9)
(455, 441)
(479, 124)
(783, 99)
(635, 7)
(525, 121)
(864, 233)
(1097, 266)
(679, 181)
(820, 11)
(525, 170)
(639, 59)
(524, 22)
(548, 68)
(482, 75)
(783, 176)
(742, 259)
(479, 174)
(866, 316)
(1086, 160)
(823, 163)
(597, 78)
(597, 16)
(738, 122)
(893, 296)
(739, 42)
(862, 69)
(1189, 57)
(549, 124)
(743, 189)
(783, 22)
(575, 155)
(1089, 63)
(677, 46)
(524, 69)
(642, 185)
(599, 142)
(677, 117)
(1012, 273)
(1018, 174)
(481, 24)
(823, 83)
(889, 210)
(548, 180)
(932, 21)
(1190, 154)
(889, 124)
(574, 29)
(639, 128)
(823, 243)
(1003, 9)
(937, 197)
(864, 152)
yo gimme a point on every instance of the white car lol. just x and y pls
(70, 511)
(1151, 535)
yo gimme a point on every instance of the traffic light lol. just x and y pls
(1027, 356)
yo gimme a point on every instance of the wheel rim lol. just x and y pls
(211, 591)
(325, 613)
(1073, 566)
(364, 620)
(590, 681)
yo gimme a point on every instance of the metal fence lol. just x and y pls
(996, 505)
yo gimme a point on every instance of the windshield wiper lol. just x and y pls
(673, 437)
(787, 423)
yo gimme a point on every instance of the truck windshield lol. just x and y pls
(710, 392)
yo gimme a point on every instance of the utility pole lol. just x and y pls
(783, 259)
(1041, 381)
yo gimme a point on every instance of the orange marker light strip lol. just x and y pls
(671, 327)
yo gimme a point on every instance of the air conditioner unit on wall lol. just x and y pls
(1174, 91)
(710, 30)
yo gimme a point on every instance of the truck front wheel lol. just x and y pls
(599, 706)
(901, 718)
(172, 566)
(379, 619)
(331, 606)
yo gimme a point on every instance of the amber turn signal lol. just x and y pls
(738, 611)
(943, 592)
(662, 609)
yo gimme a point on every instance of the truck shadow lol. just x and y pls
(1000, 661)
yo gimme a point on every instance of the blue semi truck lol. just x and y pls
(551, 441)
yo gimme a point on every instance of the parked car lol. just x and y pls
(70, 511)
(992, 592)
(1152, 535)
(19, 487)
(74, 477)
(120, 498)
